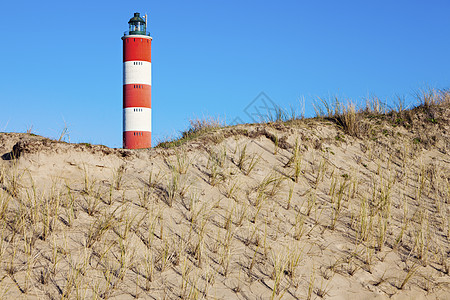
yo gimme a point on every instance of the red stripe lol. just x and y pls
(137, 95)
(137, 139)
(137, 49)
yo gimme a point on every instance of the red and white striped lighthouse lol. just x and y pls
(137, 85)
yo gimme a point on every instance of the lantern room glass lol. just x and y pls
(137, 26)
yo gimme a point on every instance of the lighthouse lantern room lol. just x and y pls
(137, 77)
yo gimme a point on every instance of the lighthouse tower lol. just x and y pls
(137, 85)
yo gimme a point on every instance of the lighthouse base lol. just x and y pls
(137, 139)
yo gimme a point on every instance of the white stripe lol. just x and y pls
(137, 36)
(137, 72)
(137, 119)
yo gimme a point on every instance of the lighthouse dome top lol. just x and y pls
(137, 18)
(137, 25)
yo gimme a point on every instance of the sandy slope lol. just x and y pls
(231, 216)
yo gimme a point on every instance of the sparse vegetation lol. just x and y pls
(237, 217)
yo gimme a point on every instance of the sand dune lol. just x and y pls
(302, 209)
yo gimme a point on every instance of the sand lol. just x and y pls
(230, 215)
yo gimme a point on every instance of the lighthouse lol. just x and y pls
(137, 85)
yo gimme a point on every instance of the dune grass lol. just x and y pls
(236, 218)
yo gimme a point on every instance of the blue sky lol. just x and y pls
(61, 61)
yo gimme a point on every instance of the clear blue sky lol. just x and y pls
(62, 60)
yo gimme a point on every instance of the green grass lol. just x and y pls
(344, 113)
(197, 128)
